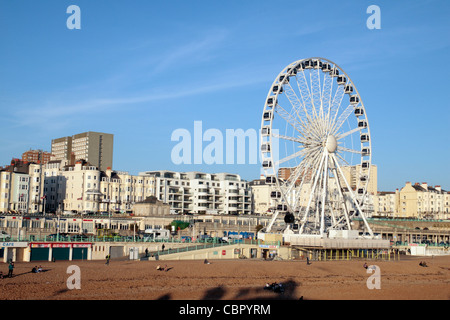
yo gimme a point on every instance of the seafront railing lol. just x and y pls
(136, 239)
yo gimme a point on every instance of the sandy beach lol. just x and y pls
(230, 280)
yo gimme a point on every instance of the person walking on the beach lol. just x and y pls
(10, 269)
(163, 247)
(146, 252)
(108, 257)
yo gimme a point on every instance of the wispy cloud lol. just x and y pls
(60, 113)
(192, 52)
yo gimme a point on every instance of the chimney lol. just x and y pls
(424, 185)
(438, 188)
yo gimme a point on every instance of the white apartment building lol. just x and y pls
(21, 187)
(36, 187)
(82, 188)
(386, 203)
(5, 190)
(261, 200)
(203, 193)
(120, 190)
(423, 201)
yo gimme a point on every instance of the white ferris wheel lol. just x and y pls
(316, 148)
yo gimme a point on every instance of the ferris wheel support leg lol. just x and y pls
(347, 219)
(325, 174)
(269, 227)
(353, 198)
(311, 195)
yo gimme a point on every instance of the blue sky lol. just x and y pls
(142, 69)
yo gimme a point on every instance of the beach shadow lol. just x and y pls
(261, 294)
(164, 297)
(61, 292)
(214, 294)
(219, 292)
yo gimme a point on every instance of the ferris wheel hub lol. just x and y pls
(331, 143)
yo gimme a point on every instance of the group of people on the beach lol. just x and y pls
(36, 269)
(275, 287)
(166, 268)
(423, 264)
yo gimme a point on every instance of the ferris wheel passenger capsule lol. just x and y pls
(300, 66)
(271, 180)
(365, 137)
(354, 99)
(265, 147)
(365, 164)
(265, 131)
(326, 67)
(277, 89)
(268, 116)
(291, 72)
(341, 80)
(359, 111)
(365, 152)
(308, 64)
(275, 194)
(271, 101)
(334, 72)
(267, 164)
(317, 64)
(348, 89)
(283, 79)
(362, 124)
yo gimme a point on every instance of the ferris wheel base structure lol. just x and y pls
(340, 239)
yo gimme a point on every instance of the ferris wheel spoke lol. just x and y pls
(307, 171)
(297, 105)
(349, 150)
(279, 136)
(315, 91)
(326, 94)
(344, 115)
(306, 95)
(300, 170)
(337, 100)
(308, 107)
(304, 164)
(289, 119)
(343, 135)
(343, 160)
(292, 156)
